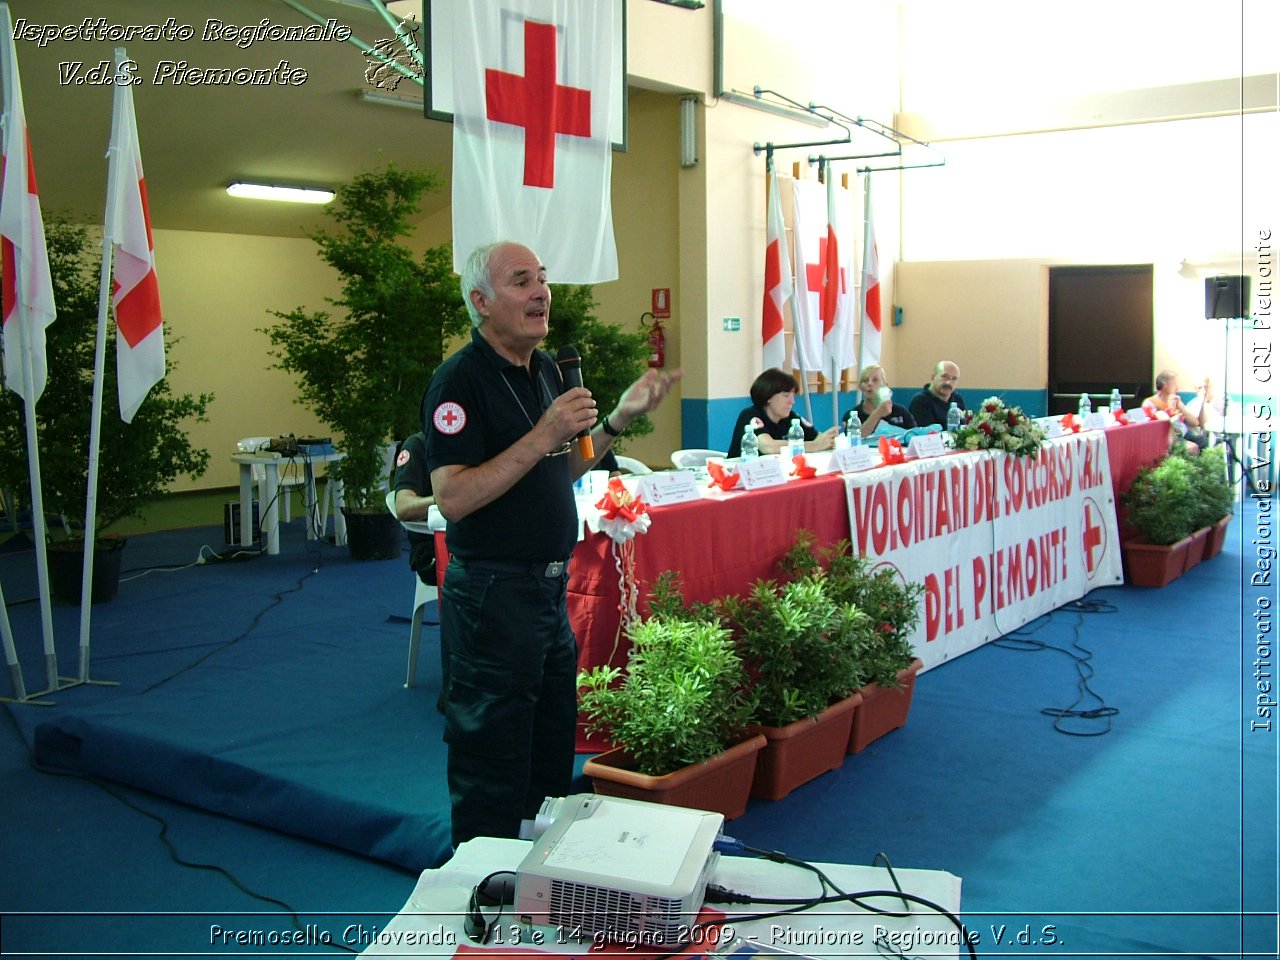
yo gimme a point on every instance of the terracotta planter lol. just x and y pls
(1196, 547)
(801, 751)
(1154, 565)
(1217, 538)
(721, 784)
(883, 709)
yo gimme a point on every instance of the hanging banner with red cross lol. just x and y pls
(824, 284)
(996, 540)
(533, 86)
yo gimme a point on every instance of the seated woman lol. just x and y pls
(773, 394)
(877, 404)
(1183, 421)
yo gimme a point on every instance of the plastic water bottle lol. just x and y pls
(1086, 406)
(795, 439)
(953, 418)
(750, 445)
(853, 428)
(1116, 401)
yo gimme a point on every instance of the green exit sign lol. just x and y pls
(732, 324)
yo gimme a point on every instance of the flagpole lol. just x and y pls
(866, 240)
(99, 364)
(22, 321)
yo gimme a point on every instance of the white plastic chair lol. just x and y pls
(423, 593)
(292, 476)
(694, 457)
(631, 465)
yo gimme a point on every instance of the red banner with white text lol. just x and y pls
(996, 540)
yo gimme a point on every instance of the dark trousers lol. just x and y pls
(510, 698)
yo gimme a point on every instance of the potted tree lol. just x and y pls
(801, 648)
(363, 370)
(136, 461)
(678, 715)
(1162, 507)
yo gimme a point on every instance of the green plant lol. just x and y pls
(801, 647)
(612, 358)
(1162, 501)
(1215, 497)
(137, 461)
(683, 697)
(892, 604)
(364, 372)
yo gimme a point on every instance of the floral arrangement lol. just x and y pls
(993, 426)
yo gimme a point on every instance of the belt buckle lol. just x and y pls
(554, 569)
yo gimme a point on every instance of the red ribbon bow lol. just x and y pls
(1121, 417)
(618, 502)
(1070, 423)
(802, 469)
(891, 451)
(720, 477)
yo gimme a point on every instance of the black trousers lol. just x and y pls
(510, 697)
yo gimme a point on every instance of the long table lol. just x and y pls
(721, 546)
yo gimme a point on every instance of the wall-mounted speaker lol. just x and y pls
(1226, 297)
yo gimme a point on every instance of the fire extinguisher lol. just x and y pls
(657, 340)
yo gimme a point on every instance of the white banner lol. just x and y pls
(996, 540)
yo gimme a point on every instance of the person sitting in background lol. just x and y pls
(1185, 424)
(773, 395)
(412, 484)
(1206, 406)
(877, 404)
(931, 404)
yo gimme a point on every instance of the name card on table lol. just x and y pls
(1052, 427)
(1137, 415)
(927, 445)
(853, 459)
(671, 486)
(1097, 420)
(764, 472)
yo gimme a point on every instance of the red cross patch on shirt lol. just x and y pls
(449, 418)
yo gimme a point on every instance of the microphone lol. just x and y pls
(570, 364)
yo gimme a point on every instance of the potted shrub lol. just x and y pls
(678, 715)
(889, 664)
(1215, 497)
(802, 650)
(136, 461)
(1162, 507)
(363, 371)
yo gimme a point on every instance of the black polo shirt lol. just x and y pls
(928, 409)
(477, 405)
(776, 430)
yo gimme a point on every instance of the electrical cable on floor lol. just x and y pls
(172, 851)
(1081, 657)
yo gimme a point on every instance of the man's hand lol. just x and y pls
(571, 413)
(643, 396)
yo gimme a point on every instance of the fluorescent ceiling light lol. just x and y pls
(262, 191)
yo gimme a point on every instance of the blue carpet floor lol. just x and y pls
(270, 693)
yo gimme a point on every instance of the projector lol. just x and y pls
(614, 870)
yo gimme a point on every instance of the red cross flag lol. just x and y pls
(533, 84)
(821, 322)
(135, 291)
(27, 283)
(777, 279)
(872, 318)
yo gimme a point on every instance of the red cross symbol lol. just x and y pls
(815, 280)
(1092, 537)
(536, 102)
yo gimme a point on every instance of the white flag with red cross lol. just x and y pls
(777, 279)
(135, 291)
(872, 318)
(533, 84)
(27, 282)
(824, 282)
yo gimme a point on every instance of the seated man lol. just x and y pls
(413, 501)
(931, 404)
(1185, 424)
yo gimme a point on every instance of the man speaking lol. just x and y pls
(500, 425)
